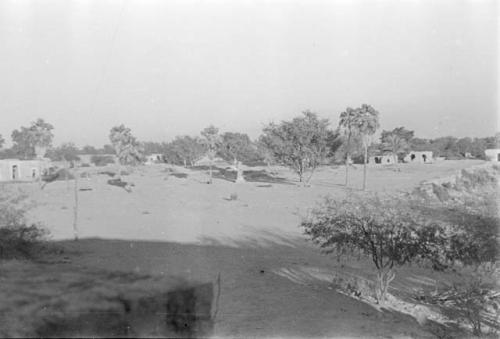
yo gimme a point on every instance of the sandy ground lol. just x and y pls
(274, 283)
(166, 208)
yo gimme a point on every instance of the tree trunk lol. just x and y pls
(66, 172)
(364, 167)
(40, 184)
(347, 170)
(384, 278)
(75, 209)
(210, 171)
(239, 174)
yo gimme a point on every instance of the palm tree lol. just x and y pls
(348, 130)
(366, 123)
(395, 144)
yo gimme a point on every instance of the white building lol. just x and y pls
(424, 157)
(22, 170)
(155, 158)
(386, 159)
(492, 154)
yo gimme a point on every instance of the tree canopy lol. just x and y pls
(65, 152)
(126, 146)
(237, 147)
(26, 140)
(300, 144)
(186, 149)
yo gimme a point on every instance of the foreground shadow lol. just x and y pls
(267, 281)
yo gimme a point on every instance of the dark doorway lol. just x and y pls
(14, 172)
(424, 157)
(412, 157)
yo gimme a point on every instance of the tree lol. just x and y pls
(211, 142)
(401, 132)
(384, 229)
(151, 147)
(395, 144)
(2, 141)
(126, 146)
(28, 139)
(349, 132)
(87, 149)
(65, 152)
(366, 122)
(263, 151)
(396, 141)
(464, 146)
(186, 149)
(420, 144)
(300, 144)
(107, 149)
(446, 146)
(238, 148)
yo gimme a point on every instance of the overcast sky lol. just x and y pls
(165, 68)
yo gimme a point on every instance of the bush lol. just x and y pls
(384, 229)
(21, 241)
(18, 240)
(102, 160)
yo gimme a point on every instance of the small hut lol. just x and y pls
(386, 159)
(22, 170)
(492, 154)
(423, 157)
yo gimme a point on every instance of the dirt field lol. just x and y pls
(187, 210)
(274, 283)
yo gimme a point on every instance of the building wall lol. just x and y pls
(419, 157)
(22, 170)
(492, 154)
(383, 160)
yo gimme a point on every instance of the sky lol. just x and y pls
(167, 67)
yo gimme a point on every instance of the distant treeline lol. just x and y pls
(234, 146)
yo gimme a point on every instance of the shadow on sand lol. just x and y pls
(259, 176)
(257, 299)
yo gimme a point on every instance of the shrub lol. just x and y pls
(384, 229)
(17, 238)
(102, 160)
(472, 299)
(21, 241)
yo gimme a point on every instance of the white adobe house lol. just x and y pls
(22, 170)
(424, 157)
(492, 154)
(155, 158)
(386, 159)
